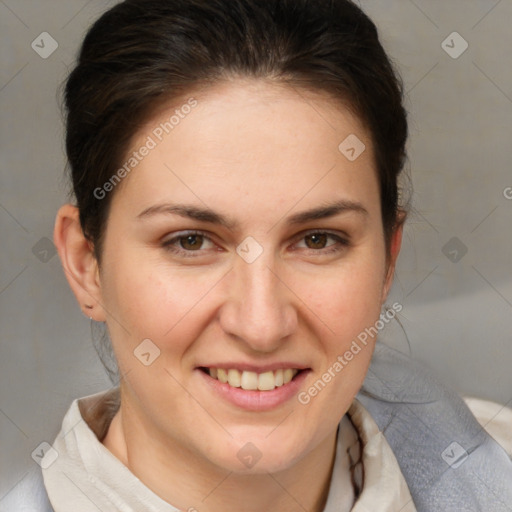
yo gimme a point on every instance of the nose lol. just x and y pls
(259, 310)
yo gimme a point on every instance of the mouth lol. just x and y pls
(253, 381)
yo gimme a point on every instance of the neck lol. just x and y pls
(188, 481)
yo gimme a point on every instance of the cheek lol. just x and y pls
(347, 300)
(348, 305)
(145, 299)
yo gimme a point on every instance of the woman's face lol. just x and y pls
(246, 243)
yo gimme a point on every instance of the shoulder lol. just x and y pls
(29, 495)
(447, 458)
(495, 418)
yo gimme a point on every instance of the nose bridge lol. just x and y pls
(261, 312)
(259, 287)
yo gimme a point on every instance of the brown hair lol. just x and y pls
(142, 53)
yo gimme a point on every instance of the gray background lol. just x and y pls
(457, 311)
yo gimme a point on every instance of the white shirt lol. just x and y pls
(87, 477)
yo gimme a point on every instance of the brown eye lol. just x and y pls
(316, 240)
(322, 243)
(191, 242)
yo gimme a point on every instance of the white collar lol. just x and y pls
(87, 476)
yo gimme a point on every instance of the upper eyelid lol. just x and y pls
(340, 235)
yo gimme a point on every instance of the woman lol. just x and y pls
(238, 218)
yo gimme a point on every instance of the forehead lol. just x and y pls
(249, 142)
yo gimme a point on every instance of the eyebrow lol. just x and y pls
(210, 216)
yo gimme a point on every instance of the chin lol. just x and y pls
(259, 455)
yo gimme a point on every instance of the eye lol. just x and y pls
(197, 243)
(322, 242)
(186, 243)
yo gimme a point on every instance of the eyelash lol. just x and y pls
(171, 244)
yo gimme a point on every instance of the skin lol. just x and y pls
(257, 153)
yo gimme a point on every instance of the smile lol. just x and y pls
(253, 381)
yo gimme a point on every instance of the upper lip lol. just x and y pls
(248, 367)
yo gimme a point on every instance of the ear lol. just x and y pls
(395, 244)
(78, 261)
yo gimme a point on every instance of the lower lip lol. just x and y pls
(253, 400)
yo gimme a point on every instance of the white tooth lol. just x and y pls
(266, 381)
(249, 380)
(287, 375)
(234, 378)
(222, 375)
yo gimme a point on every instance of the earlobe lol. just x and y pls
(395, 245)
(78, 261)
